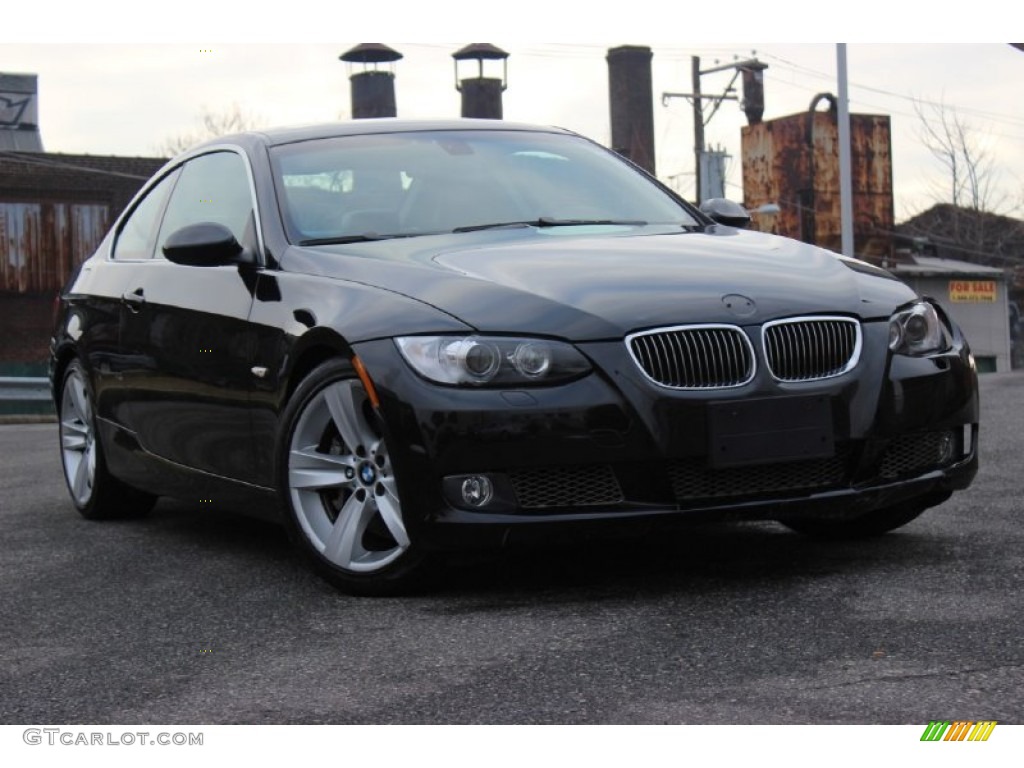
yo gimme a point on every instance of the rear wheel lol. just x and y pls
(340, 486)
(873, 523)
(95, 492)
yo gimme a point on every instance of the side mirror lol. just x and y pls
(726, 212)
(202, 245)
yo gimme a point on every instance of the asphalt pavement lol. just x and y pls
(195, 615)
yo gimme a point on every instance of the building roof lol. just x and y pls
(49, 176)
(55, 163)
(972, 235)
(930, 266)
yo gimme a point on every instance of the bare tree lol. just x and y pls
(211, 125)
(971, 176)
(971, 204)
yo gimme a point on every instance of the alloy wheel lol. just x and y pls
(341, 483)
(77, 438)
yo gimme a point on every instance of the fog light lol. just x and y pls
(945, 447)
(477, 491)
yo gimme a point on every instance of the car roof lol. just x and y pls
(289, 135)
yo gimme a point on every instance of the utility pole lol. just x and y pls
(697, 98)
(698, 125)
(845, 170)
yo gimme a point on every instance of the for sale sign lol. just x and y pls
(972, 290)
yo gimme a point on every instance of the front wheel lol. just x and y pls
(340, 488)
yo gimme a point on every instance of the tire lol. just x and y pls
(874, 523)
(96, 494)
(340, 490)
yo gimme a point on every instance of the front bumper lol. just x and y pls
(614, 448)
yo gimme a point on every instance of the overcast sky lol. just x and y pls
(122, 98)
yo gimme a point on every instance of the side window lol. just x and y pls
(138, 233)
(212, 188)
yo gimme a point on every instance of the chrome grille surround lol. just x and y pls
(694, 356)
(811, 348)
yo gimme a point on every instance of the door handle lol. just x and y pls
(134, 300)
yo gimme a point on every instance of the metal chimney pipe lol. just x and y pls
(631, 102)
(481, 96)
(373, 89)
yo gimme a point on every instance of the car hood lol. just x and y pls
(593, 286)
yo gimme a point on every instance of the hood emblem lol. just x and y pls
(739, 305)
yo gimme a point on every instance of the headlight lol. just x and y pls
(493, 360)
(917, 330)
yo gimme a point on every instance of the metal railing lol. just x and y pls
(24, 389)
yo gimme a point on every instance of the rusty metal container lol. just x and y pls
(40, 243)
(793, 161)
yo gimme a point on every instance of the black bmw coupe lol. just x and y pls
(413, 337)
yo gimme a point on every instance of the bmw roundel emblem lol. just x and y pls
(739, 305)
(367, 474)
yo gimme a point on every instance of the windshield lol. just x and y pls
(404, 184)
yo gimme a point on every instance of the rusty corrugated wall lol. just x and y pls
(40, 243)
(794, 161)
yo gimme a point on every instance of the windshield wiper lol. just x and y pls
(366, 237)
(547, 221)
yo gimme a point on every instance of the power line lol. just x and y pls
(996, 116)
(584, 50)
(890, 111)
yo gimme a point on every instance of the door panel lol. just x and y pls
(104, 279)
(188, 329)
(190, 391)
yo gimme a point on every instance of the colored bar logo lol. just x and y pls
(958, 730)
